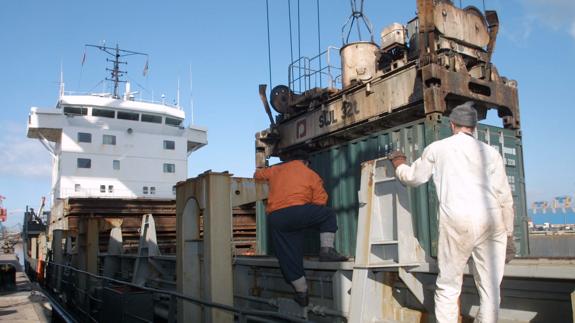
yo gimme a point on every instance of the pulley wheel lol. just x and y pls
(280, 98)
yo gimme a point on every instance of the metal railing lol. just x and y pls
(306, 73)
(110, 95)
(116, 193)
(79, 292)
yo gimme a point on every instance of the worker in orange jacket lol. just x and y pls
(297, 201)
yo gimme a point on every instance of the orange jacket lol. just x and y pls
(291, 184)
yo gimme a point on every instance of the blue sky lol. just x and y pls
(225, 43)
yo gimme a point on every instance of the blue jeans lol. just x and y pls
(287, 227)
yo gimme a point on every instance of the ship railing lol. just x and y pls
(131, 98)
(116, 193)
(87, 303)
(321, 70)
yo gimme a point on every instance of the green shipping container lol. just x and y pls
(339, 166)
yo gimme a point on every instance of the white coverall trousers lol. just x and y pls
(488, 253)
(475, 217)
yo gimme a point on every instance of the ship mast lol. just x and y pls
(115, 71)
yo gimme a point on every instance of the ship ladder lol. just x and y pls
(386, 242)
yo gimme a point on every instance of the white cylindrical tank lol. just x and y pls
(357, 62)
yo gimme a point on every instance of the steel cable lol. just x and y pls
(319, 44)
(269, 42)
(290, 32)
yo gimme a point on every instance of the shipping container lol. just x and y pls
(339, 166)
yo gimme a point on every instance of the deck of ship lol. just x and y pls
(19, 301)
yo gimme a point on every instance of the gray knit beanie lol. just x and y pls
(464, 115)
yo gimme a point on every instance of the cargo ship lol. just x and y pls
(107, 258)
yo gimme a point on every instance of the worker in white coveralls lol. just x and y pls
(475, 213)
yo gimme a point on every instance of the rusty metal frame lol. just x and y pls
(441, 84)
(204, 264)
(440, 81)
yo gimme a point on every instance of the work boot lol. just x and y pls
(330, 254)
(302, 298)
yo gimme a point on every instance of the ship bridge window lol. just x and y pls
(84, 137)
(79, 111)
(151, 118)
(84, 163)
(169, 168)
(173, 122)
(169, 144)
(128, 116)
(103, 113)
(109, 140)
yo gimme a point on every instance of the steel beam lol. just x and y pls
(92, 245)
(539, 269)
(218, 280)
(188, 248)
(247, 190)
(204, 266)
(573, 305)
(58, 257)
(209, 195)
(355, 106)
(440, 83)
(112, 261)
(42, 248)
(147, 248)
(33, 248)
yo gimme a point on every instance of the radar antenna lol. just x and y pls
(115, 71)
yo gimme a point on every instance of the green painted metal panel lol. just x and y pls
(340, 167)
(262, 245)
(508, 143)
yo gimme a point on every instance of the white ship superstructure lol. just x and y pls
(115, 147)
